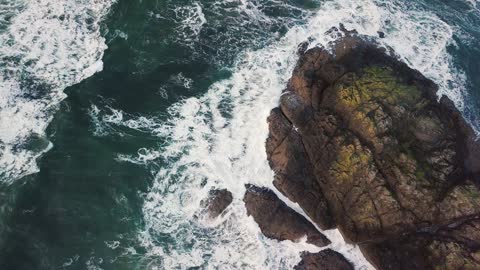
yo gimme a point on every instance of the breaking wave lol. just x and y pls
(45, 46)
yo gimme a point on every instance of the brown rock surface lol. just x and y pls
(217, 202)
(294, 173)
(324, 260)
(361, 142)
(277, 220)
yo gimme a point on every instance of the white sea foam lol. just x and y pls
(47, 46)
(112, 244)
(217, 140)
(181, 80)
(94, 263)
(191, 20)
(110, 120)
(473, 3)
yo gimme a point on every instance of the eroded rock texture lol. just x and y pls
(324, 260)
(361, 142)
(277, 220)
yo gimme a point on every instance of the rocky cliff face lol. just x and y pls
(362, 143)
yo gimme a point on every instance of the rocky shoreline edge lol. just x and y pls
(363, 144)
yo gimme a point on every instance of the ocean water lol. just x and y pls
(118, 116)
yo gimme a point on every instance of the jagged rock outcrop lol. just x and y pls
(217, 201)
(324, 260)
(362, 143)
(277, 220)
(293, 171)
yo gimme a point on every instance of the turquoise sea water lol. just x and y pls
(165, 100)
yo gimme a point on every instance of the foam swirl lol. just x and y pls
(45, 47)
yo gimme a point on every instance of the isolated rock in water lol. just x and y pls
(361, 142)
(217, 202)
(324, 260)
(277, 220)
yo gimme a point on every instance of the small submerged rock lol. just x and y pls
(217, 202)
(277, 220)
(324, 260)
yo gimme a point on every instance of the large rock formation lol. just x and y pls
(277, 220)
(362, 143)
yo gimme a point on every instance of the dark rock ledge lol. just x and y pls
(361, 143)
(277, 220)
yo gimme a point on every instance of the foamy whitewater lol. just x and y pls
(217, 140)
(45, 46)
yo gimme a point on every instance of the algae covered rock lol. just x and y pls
(362, 142)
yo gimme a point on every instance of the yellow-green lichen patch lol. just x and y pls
(352, 160)
(452, 256)
(361, 94)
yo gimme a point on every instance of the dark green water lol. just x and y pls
(87, 208)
